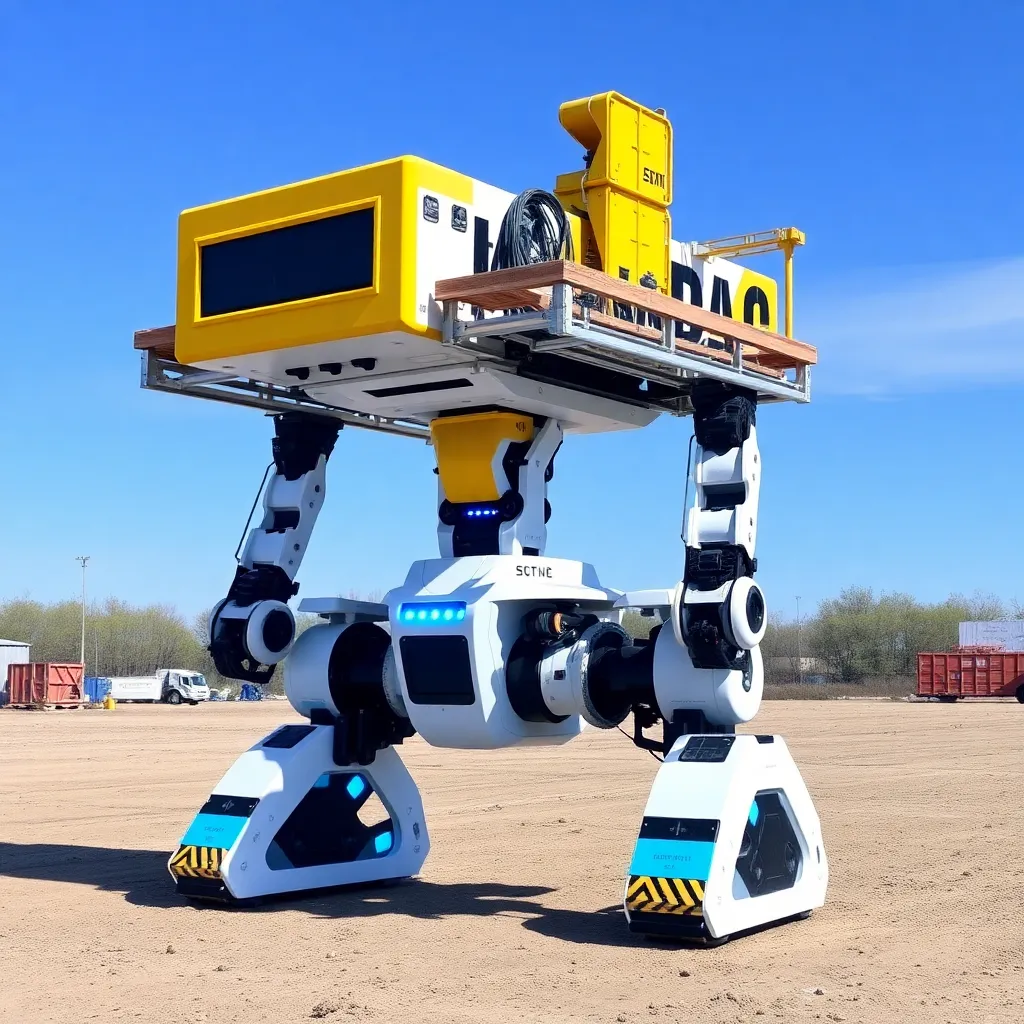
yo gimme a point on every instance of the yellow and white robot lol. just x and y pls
(406, 297)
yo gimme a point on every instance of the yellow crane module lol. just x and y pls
(786, 239)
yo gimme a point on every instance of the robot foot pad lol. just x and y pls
(730, 843)
(287, 819)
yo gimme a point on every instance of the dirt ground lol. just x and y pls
(516, 915)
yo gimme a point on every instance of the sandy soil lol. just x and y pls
(515, 917)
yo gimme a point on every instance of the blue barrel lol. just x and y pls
(96, 688)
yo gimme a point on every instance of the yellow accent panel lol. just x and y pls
(388, 305)
(680, 896)
(769, 287)
(197, 862)
(632, 145)
(626, 189)
(465, 447)
(576, 232)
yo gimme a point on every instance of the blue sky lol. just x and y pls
(887, 131)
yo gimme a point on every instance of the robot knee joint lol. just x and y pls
(248, 641)
(744, 614)
(270, 632)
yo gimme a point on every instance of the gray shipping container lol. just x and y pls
(1009, 633)
(11, 653)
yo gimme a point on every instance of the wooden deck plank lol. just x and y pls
(159, 340)
(511, 298)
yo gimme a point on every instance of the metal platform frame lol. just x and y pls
(560, 328)
(159, 374)
(559, 318)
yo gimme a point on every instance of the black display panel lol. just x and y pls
(696, 830)
(301, 261)
(707, 748)
(233, 806)
(287, 736)
(437, 669)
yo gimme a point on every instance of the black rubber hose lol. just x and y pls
(535, 229)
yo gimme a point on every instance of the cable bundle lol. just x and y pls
(534, 229)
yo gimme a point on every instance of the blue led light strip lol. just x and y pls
(441, 614)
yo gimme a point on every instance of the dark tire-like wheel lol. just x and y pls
(174, 697)
(948, 698)
(1020, 693)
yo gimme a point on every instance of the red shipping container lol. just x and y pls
(42, 682)
(952, 676)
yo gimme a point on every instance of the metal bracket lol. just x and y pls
(343, 610)
(176, 378)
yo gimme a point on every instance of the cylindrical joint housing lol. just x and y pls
(744, 614)
(270, 631)
(246, 641)
(575, 680)
(725, 696)
(338, 668)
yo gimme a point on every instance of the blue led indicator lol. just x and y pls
(432, 614)
(355, 786)
(755, 813)
(382, 843)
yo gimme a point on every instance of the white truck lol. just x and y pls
(167, 685)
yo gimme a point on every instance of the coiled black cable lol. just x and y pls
(534, 229)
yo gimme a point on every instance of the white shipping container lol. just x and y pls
(136, 687)
(12, 652)
(1009, 634)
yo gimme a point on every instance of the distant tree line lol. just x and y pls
(851, 638)
(120, 639)
(858, 636)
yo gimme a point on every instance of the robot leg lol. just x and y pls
(286, 818)
(253, 629)
(730, 839)
(292, 813)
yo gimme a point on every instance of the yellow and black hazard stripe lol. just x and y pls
(197, 862)
(665, 895)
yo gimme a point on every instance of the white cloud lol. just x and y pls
(918, 329)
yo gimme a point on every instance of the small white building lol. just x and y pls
(804, 666)
(1008, 633)
(12, 652)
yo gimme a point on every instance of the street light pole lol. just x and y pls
(83, 561)
(799, 658)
